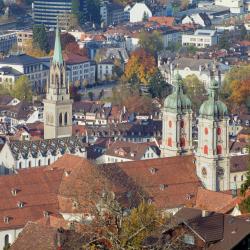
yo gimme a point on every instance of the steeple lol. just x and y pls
(57, 58)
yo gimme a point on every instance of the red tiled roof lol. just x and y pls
(163, 20)
(74, 59)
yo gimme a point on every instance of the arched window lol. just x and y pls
(6, 240)
(182, 142)
(205, 149)
(20, 164)
(170, 142)
(218, 131)
(39, 163)
(235, 178)
(61, 79)
(48, 161)
(65, 118)
(29, 164)
(219, 149)
(206, 131)
(242, 178)
(170, 124)
(182, 124)
(60, 119)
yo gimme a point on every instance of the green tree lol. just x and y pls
(245, 205)
(91, 95)
(243, 32)
(158, 86)
(224, 41)
(93, 13)
(151, 41)
(4, 90)
(246, 184)
(77, 11)
(40, 38)
(195, 89)
(22, 89)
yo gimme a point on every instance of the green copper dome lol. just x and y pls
(177, 101)
(213, 108)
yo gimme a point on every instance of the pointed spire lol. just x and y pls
(58, 58)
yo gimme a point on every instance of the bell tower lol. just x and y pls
(57, 105)
(212, 156)
(177, 122)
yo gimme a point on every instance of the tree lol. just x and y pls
(236, 87)
(151, 41)
(73, 48)
(31, 51)
(140, 67)
(74, 93)
(158, 86)
(67, 38)
(195, 90)
(4, 90)
(243, 32)
(91, 95)
(77, 11)
(93, 11)
(246, 183)
(22, 89)
(1, 7)
(224, 41)
(245, 205)
(40, 38)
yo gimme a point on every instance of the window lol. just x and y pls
(182, 142)
(235, 178)
(182, 124)
(6, 240)
(29, 164)
(39, 163)
(205, 150)
(242, 178)
(48, 161)
(170, 142)
(20, 164)
(188, 239)
(206, 131)
(60, 119)
(219, 149)
(218, 131)
(65, 118)
(170, 124)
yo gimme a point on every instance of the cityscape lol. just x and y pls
(124, 125)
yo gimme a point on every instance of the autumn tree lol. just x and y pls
(33, 51)
(152, 42)
(140, 67)
(236, 88)
(195, 90)
(22, 89)
(73, 48)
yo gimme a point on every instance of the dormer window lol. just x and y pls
(152, 170)
(163, 186)
(14, 191)
(45, 213)
(20, 204)
(6, 219)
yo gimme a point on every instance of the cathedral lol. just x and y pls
(212, 153)
(57, 105)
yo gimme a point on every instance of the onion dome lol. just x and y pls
(178, 102)
(213, 107)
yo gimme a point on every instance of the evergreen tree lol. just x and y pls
(40, 38)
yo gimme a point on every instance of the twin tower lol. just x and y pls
(212, 152)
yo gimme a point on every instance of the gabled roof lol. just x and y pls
(21, 59)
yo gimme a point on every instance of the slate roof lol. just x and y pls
(44, 147)
(10, 71)
(5, 99)
(21, 59)
(129, 150)
(239, 163)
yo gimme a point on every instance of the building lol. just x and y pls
(235, 6)
(212, 156)
(57, 105)
(200, 19)
(121, 151)
(24, 39)
(9, 75)
(105, 70)
(28, 154)
(7, 41)
(47, 12)
(200, 38)
(139, 12)
(32, 67)
(177, 122)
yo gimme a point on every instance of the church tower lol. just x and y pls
(212, 156)
(57, 105)
(177, 122)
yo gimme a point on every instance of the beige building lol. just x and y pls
(57, 105)
(24, 38)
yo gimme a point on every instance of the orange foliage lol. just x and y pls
(141, 64)
(240, 91)
(73, 48)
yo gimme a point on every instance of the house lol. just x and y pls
(105, 70)
(7, 41)
(9, 75)
(121, 151)
(199, 67)
(200, 38)
(28, 154)
(199, 229)
(139, 12)
(200, 19)
(34, 68)
(236, 6)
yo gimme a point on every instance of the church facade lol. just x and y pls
(57, 105)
